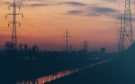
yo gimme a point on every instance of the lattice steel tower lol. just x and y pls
(126, 31)
(14, 21)
(86, 45)
(67, 38)
(121, 34)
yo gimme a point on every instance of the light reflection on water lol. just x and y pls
(49, 78)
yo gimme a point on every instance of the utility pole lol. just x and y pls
(14, 21)
(126, 31)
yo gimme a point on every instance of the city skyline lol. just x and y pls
(46, 21)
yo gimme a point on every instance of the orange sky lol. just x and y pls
(45, 22)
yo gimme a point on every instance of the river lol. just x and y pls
(52, 77)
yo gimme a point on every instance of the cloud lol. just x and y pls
(103, 10)
(119, 17)
(94, 11)
(110, 0)
(38, 5)
(73, 3)
(75, 12)
(26, 3)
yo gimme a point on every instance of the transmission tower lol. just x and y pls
(121, 34)
(126, 31)
(14, 21)
(85, 46)
(67, 38)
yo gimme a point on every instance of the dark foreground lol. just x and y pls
(120, 71)
(19, 68)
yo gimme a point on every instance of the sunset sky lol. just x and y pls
(45, 22)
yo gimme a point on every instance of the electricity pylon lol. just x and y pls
(121, 34)
(85, 46)
(126, 31)
(67, 39)
(14, 21)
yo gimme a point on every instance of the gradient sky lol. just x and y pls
(45, 22)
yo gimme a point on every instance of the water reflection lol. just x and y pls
(49, 78)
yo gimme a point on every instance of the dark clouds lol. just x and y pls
(110, 0)
(103, 10)
(44, 3)
(75, 12)
(94, 11)
(80, 8)
(27, 3)
(73, 3)
(38, 5)
(84, 9)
